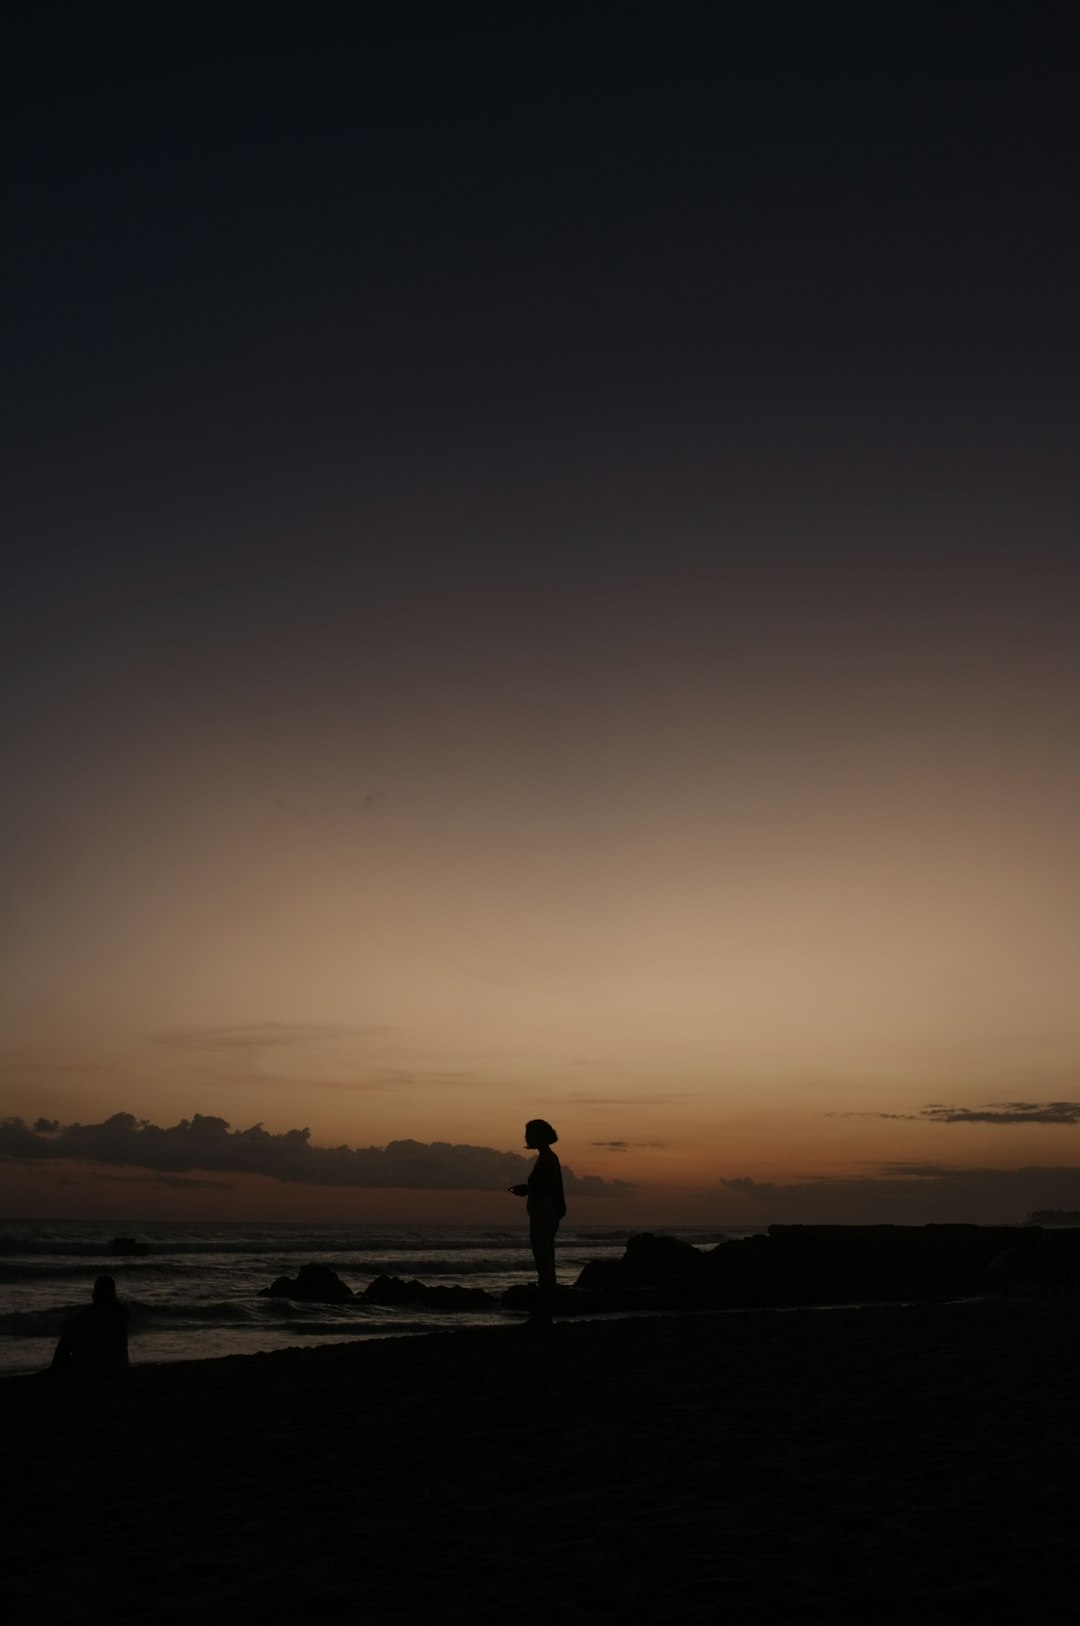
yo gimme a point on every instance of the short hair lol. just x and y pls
(105, 1290)
(540, 1131)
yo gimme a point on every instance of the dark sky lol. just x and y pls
(280, 246)
(603, 432)
(497, 296)
(514, 287)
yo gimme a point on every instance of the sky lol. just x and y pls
(544, 583)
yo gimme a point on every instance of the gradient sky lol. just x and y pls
(545, 581)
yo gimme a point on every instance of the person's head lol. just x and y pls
(538, 1132)
(105, 1290)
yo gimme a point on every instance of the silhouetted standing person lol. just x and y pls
(547, 1206)
(95, 1340)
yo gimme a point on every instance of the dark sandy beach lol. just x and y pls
(887, 1464)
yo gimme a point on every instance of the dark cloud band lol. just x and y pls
(209, 1145)
(910, 1194)
(1007, 1112)
(995, 1112)
(260, 1035)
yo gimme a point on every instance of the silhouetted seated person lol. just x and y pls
(546, 1206)
(94, 1342)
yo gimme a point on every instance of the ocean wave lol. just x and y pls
(164, 1243)
(58, 1248)
(40, 1323)
(46, 1273)
(145, 1317)
(508, 1264)
(80, 1271)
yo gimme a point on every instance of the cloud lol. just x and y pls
(910, 1194)
(125, 1179)
(26, 1062)
(915, 1171)
(374, 1081)
(907, 1117)
(1008, 1112)
(174, 1182)
(995, 1112)
(660, 1098)
(628, 1145)
(210, 1145)
(258, 1035)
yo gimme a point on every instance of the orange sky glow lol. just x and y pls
(544, 583)
(750, 934)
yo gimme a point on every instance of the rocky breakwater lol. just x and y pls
(414, 1294)
(790, 1265)
(654, 1273)
(312, 1284)
(797, 1264)
(318, 1284)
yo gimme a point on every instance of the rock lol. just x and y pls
(601, 1276)
(393, 1290)
(585, 1301)
(126, 1246)
(663, 1261)
(662, 1265)
(1059, 1263)
(314, 1284)
(836, 1264)
(828, 1264)
(1044, 1260)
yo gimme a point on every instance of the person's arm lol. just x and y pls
(518, 1191)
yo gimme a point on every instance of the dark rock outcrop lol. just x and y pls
(584, 1300)
(393, 1290)
(671, 1270)
(665, 1262)
(600, 1276)
(313, 1284)
(128, 1247)
(1057, 1269)
(826, 1264)
(822, 1264)
(1046, 1263)
(835, 1264)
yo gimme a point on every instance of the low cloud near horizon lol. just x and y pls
(261, 1035)
(994, 1112)
(912, 1194)
(209, 1144)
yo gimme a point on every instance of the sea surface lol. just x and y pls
(195, 1293)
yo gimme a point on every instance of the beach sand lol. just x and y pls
(913, 1464)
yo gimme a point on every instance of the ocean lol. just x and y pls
(194, 1294)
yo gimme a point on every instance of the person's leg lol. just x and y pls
(542, 1238)
(547, 1264)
